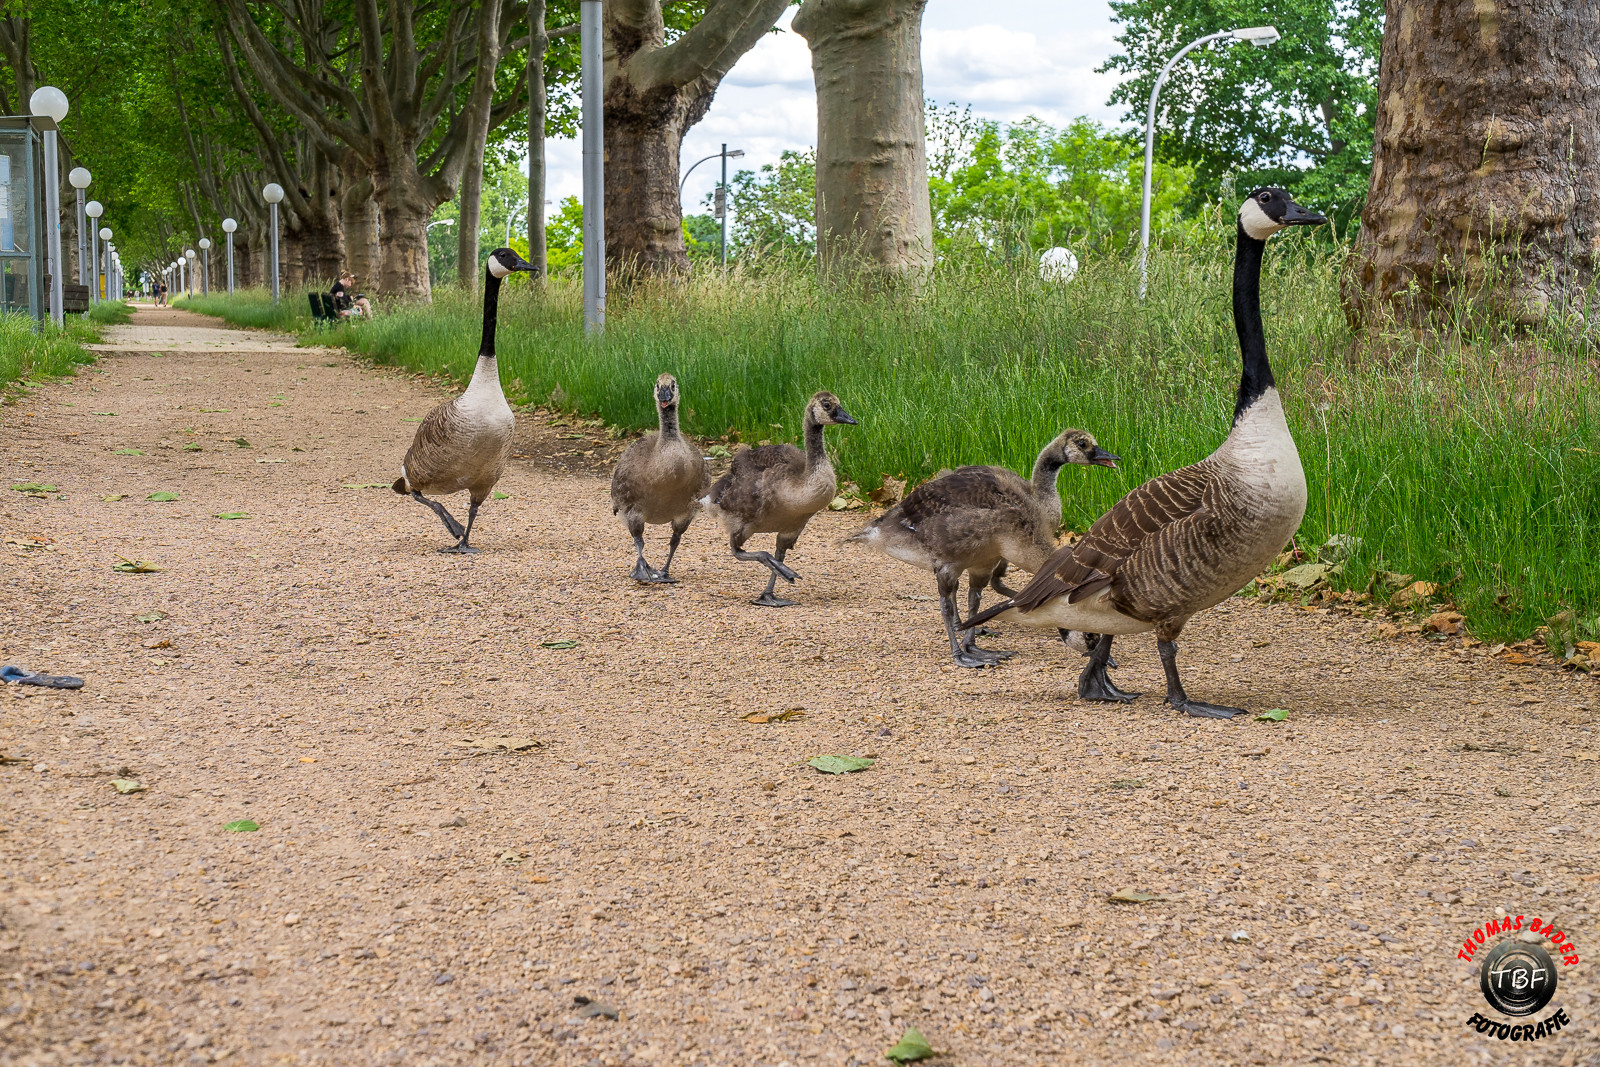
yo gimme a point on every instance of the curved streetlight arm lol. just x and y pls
(696, 163)
(1150, 151)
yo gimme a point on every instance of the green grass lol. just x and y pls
(254, 309)
(1470, 457)
(30, 351)
(110, 313)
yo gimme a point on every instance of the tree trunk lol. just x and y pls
(1484, 179)
(654, 92)
(538, 45)
(359, 213)
(479, 103)
(872, 164)
(290, 247)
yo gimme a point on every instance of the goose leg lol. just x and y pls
(767, 599)
(1093, 683)
(965, 655)
(1178, 698)
(461, 548)
(999, 586)
(642, 571)
(672, 550)
(1083, 644)
(440, 510)
(975, 586)
(736, 544)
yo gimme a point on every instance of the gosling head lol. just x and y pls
(1268, 210)
(666, 392)
(1079, 446)
(825, 409)
(503, 261)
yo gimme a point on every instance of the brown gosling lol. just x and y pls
(977, 520)
(776, 489)
(658, 480)
(464, 443)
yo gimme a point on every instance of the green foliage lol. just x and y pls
(563, 235)
(31, 350)
(1027, 186)
(1299, 113)
(110, 313)
(774, 209)
(702, 238)
(1470, 459)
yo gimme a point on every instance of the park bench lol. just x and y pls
(323, 314)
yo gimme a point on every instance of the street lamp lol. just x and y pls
(442, 222)
(228, 226)
(205, 266)
(105, 236)
(50, 102)
(94, 209)
(1260, 37)
(272, 193)
(719, 208)
(79, 179)
(189, 255)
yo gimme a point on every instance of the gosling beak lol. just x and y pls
(664, 396)
(1099, 457)
(843, 417)
(1295, 215)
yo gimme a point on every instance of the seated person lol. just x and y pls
(346, 301)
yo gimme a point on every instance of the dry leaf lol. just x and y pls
(512, 744)
(787, 715)
(1131, 896)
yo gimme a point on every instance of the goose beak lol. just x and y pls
(1099, 457)
(664, 397)
(524, 265)
(1295, 215)
(843, 417)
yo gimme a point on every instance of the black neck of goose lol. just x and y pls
(669, 422)
(815, 452)
(491, 312)
(1046, 469)
(1257, 377)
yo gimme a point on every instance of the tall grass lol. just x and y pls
(30, 349)
(1470, 457)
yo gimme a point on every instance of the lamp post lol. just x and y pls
(51, 102)
(183, 284)
(228, 226)
(720, 202)
(105, 237)
(94, 209)
(272, 193)
(205, 266)
(1261, 37)
(79, 179)
(591, 68)
(441, 222)
(189, 255)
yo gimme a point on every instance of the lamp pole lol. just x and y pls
(722, 205)
(228, 227)
(49, 101)
(205, 266)
(105, 239)
(93, 210)
(1261, 37)
(189, 255)
(79, 178)
(591, 64)
(272, 192)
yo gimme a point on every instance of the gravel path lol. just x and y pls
(410, 898)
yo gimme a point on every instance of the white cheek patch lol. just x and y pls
(1256, 222)
(500, 270)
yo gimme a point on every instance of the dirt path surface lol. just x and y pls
(316, 667)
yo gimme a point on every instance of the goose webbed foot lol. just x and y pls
(1083, 644)
(767, 600)
(1094, 683)
(460, 548)
(996, 655)
(975, 658)
(1199, 709)
(643, 572)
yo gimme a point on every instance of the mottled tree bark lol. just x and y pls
(872, 163)
(654, 93)
(479, 102)
(359, 213)
(1486, 168)
(538, 45)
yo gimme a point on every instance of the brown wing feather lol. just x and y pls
(429, 443)
(739, 491)
(966, 488)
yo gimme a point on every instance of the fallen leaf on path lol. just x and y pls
(192, 446)
(911, 1047)
(1273, 715)
(162, 497)
(134, 566)
(242, 826)
(592, 1009)
(1306, 576)
(498, 495)
(1127, 783)
(308, 759)
(33, 488)
(890, 492)
(844, 503)
(1517, 659)
(5, 759)
(363, 485)
(272, 461)
(112, 414)
(32, 542)
(150, 616)
(718, 452)
(241, 442)
(112, 498)
(558, 644)
(512, 744)
(839, 764)
(508, 858)
(214, 411)
(787, 715)
(128, 785)
(1131, 896)
(128, 452)
(233, 514)
(1587, 757)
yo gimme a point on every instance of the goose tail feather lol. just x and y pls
(988, 613)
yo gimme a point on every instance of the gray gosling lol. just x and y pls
(975, 521)
(659, 480)
(464, 443)
(1187, 540)
(776, 489)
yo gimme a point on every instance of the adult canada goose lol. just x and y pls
(658, 480)
(463, 443)
(975, 521)
(776, 489)
(1188, 540)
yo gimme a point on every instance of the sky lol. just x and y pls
(1007, 60)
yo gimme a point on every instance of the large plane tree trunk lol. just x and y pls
(538, 46)
(872, 162)
(479, 102)
(1486, 168)
(359, 215)
(654, 92)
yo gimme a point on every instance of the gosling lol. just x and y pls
(659, 480)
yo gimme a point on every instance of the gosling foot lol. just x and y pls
(460, 549)
(767, 600)
(1199, 709)
(965, 658)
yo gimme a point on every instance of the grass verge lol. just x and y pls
(30, 350)
(1469, 458)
